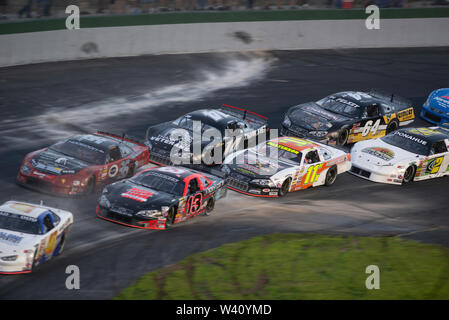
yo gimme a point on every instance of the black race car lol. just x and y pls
(161, 139)
(348, 117)
(158, 197)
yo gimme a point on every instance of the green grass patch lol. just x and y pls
(210, 17)
(301, 266)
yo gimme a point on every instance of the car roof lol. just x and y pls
(206, 116)
(366, 98)
(98, 141)
(431, 135)
(23, 208)
(295, 143)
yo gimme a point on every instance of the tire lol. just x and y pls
(285, 187)
(90, 188)
(170, 217)
(61, 245)
(409, 174)
(331, 176)
(209, 206)
(132, 170)
(392, 126)
(342, 138)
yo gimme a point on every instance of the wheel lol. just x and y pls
(285, 187)
(90, 188)
(331, 176)
(61, 245)
(132, 170)
(409, 174)
(392, 126)
(209, 206)
(343, 137)
(170, 217)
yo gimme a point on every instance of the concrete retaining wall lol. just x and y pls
(87, 43)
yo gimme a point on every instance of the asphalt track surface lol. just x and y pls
(41, 103)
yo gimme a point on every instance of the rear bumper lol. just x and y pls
(105, 214)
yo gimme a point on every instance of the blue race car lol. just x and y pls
(436, 108)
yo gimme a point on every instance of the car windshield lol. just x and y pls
(160, 182)
(19, 223)
(341, 106)
(81, 151)
(408, 142)
(275, 151)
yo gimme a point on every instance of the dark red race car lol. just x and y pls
(79, 164)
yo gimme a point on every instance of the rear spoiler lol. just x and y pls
(391, 97)
(123, 137)
(244, 114)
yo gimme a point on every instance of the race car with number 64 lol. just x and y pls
(348, 117)
(283, 165)
(159, 197)
(406, 155)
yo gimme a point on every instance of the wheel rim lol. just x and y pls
(392, 127)
(408, 174)
(343, 138)
(284, 188)
(332, 176)
(210, 205)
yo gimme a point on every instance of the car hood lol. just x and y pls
(12, 242)
(377, 152)
(314, 118)
(256, 166)
(53, 162)
(440, 99)
(135, 197)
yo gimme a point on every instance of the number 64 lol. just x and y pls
(369, 126)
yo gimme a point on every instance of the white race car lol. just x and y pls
(410, 154)
(30, 235)
(282, 165)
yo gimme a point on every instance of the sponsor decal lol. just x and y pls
(407, 114)
(137, 194)
(382, 153)
(113, 170)
(410, 137)
(10, 238)
(27, 208)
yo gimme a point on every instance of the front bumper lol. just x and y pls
(364, 172)
(113, 215)
(288, 132)
(439, 119)
(48, 184)
(252, 189)
(19, 266)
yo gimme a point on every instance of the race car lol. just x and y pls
(283, 165)
(348, 117)
(162, 138)
(80, 164)
(436, 108)
(30, 234)
(408, 154)
(159, 197)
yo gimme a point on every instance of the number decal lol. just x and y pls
(194, 203)
(312, 173)
(434, 165)
(51, 244)
(370, 127)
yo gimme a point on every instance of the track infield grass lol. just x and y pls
(302, 266)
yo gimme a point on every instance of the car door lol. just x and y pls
(312, 164)
(114, 165)
(49, 238)
(195, 197)
(373, 124)
(437, 164)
